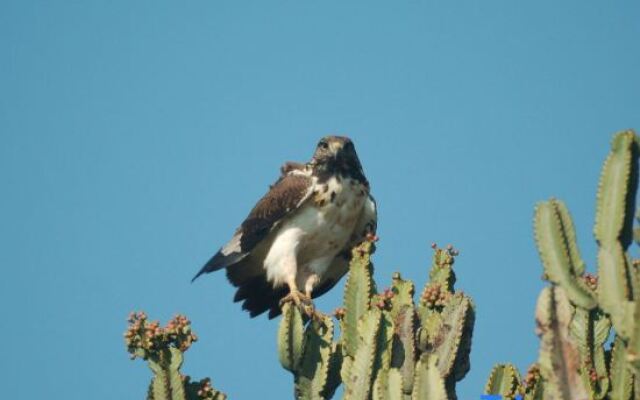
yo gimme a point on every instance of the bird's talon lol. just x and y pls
(298, 298)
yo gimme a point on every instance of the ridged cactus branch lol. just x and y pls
(532, 385)
(621, 375)
(448, 339)
(617, 191)
(335, 369)
(389, 385)
(614, 289)
(504, 380)
(313, 373)
(559, 357)
(633, 352)
(290, 338)
(428, 384)
(558, 250)
(163, 348)
(403, 356)
(358, 386)
(357, 295)
(167, 381)
(613, 229)
(590, 330)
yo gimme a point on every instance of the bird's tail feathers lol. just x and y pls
(219, 261)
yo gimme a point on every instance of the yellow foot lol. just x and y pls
(304, 303)
(298, 298)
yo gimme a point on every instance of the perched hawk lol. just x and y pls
(296, 242)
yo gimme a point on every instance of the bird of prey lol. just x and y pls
(296, 242)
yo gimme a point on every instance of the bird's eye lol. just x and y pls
(323, 145)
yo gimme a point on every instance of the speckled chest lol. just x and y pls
(336, 207)
(341, 196)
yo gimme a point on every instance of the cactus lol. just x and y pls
(576, 313)
(163, 349)
(313, 373)
(290, 338)
(504, 381)
(559, 358)
(532, 384)
(389, 348)
(429, 384)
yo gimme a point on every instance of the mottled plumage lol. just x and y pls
(299, 235)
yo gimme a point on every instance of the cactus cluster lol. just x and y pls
(386, 346)
(163, 349)
(576, 313)
(389, 347)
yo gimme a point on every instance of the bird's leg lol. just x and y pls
(297, 297)
(311, 282)
(303, 300)
(311, 311)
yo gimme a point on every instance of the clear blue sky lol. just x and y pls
(136, 135)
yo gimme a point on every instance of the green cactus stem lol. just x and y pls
(504, 380)
(559, 358)
(617, 190)
(633, 352)
(590, 330)
(388, 385)
(313, 371)
(442, 268)
(167, 381)
(358, 292)
(384, 346)
(447, 344)
(555, 238)
(532, 384)
(614, 231)
(290, 337)
(403, 292)
(428, 383)
(622, 379)
(358, 385)
(335, 368)
(403, 355)
(614, 290)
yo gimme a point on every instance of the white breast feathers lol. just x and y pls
(306, 243)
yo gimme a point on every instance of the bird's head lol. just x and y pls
(337, 154)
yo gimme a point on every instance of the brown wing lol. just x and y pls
(286, 195)
(367, 224)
